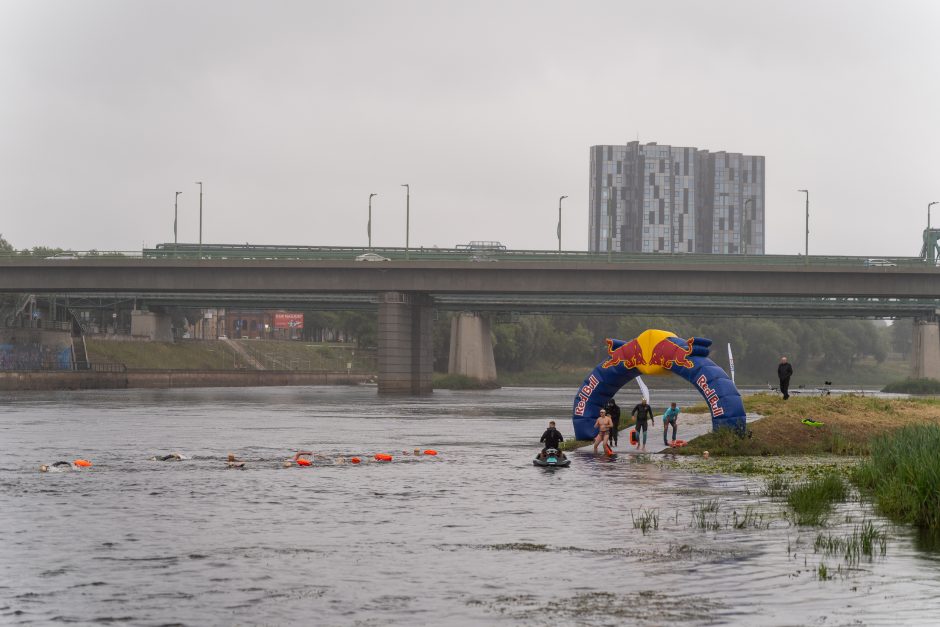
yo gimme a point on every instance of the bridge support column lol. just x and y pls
(157, 326)
(926, 349)
(471, 347)
(406, 358)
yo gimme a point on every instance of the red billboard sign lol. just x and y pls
(288, 320)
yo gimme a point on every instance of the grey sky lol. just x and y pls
(293, 112)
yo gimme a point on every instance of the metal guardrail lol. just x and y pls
(107, 367)
(249, 252)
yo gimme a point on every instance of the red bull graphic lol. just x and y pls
(629, 354)
(584, 394)
(656, 352)
(668, 353)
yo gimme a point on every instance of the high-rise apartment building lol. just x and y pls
(665, 199)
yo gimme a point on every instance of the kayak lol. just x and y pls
(809, 422)
(553, 459)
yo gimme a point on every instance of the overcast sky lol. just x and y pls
(292, 113)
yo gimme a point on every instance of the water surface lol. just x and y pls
(477, 536)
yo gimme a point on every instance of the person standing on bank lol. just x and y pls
(613, 410)
(642, 412)
(670, 417)
(784, 372)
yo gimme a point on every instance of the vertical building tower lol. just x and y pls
(653, 198)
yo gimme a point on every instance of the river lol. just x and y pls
(474, 536)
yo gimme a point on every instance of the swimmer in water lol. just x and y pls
(172, 457)
(234, 463)
(56, 467)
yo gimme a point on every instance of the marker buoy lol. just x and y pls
(430, 451)
(355, 460)
(84, 463)
(678, 443)
(382, 457)
(635, 441)
(607, 450)
(303, 462)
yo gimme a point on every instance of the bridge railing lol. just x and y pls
(249, 252)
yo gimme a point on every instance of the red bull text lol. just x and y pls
(667, 355)
(584, 394)
(710, 396)
(629, 354)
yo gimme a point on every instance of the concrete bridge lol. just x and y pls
(406, 292)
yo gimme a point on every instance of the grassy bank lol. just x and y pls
(851, 423)
(461, 382)
(903, 475)
(219, 355)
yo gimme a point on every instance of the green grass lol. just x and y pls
(865, 540)
(903, 475)
(913, 386)
(811, 501)
(645, 520)
(188, 355)
(705, 515)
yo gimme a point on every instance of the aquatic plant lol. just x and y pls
(777, 486)
(864, 540)
(822, 572)
(812, 500)
(750, 519)
(903, 475)
(644, 521)
(705, 515)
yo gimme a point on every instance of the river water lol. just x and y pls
(475, 536)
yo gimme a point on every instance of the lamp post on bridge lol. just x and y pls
(199, 183)
(407, 217)
(928, 212)
(369, 225)
(176, 216)
(559, 222)
(806, 191)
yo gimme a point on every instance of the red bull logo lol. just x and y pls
(629, 354)
(710, 395)
(668, 354)
(584, 394)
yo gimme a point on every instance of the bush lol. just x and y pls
(811, 501)
(903, 475)
(913, 386)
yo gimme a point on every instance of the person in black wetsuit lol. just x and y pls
(784, 372)
(643, 412)
(613, 410)
(552, 438)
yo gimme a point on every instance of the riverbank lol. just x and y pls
(168, 379)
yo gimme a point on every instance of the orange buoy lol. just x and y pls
(355, 460)
(382, 457)
(430, 451)
(635, 441)
(303, 462)
(607, 450)
(84, 463)
(678, 443)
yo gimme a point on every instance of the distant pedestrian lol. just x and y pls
(670, 417)
(613, 410)
(643, 412)
(784, 372)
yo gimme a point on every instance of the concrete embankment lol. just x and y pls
(87, 380)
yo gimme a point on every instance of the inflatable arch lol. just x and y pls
(655, 352)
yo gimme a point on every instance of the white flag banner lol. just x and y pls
(645, 391)
(731, 362)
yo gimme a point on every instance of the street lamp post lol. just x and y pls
(928, 212)
(806, 191)
(407, 217)
(559, 222)
(369, 225)
(199, 183)
(176, 215)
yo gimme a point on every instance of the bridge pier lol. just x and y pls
(157, 326)
(471, 347)
(926, 349)
(406, 358)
